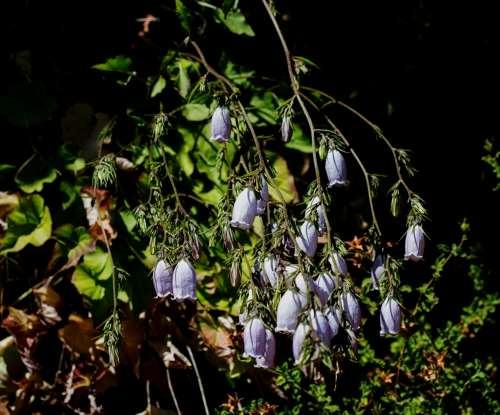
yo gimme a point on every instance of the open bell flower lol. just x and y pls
(323, 286)
(304, 284)
(269, 270)
(377, 271)
(298, 341)
(320, 327)
(254, 338)
(338, 264)
(336, 169)
(414, 243)
(244, 209)
(221, 125)
(267, 359)
(390, 317)
(334, 317)
(286, 129)
(308, 239)
(184, 281)
(289, 308)
(162, 279)
(352, 310)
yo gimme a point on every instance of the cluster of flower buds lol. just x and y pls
(178, 282)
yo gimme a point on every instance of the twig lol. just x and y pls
(171, 389)
(198, 378)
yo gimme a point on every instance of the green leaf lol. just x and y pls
(29, 223)
(196, 112)
(285, 182)
(71, 193)
(183, 13)
(184, 82)
(34, 174)
(96, 266)
(300, 141)
(183, 157)
(158, 86)
(116, 64)
(5, 168)
(128, 219)
(235, 21)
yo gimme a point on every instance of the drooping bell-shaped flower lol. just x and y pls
(289, 308)
(254, 338)
(286, 129)
(414, 243)
(267, 360)
(291, 269)
(162, 279)
(304, 284)
(323, 286)
(390, 317)
(184, 281)
(270, 270)
(244, 209)
(377, 271)
(352, 309)
(315, 204)
(334, 317)
(336, 169)
(298, 340)
(221, 125)
(320, 327)
(308, 239)
(338, 264)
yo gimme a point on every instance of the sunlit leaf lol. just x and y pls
(235, 21)
(158, 87)
(34, 174)
(196, 112)
(116, 64)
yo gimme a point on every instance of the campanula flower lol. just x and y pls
(184, 281)
(315, 204)
(390, 317)
(286, 129)
(320, 327)
(308, 239)
(336, 169)
(377, 271)
(267, 359)
(298, 340)
(244, 209)
(414, 243)
(162, 279)
(323, 286)
(254, 338)
(338, 264)
(334, 317)
(221, 125)
(352, 309)
(289, 308)
(270, 270)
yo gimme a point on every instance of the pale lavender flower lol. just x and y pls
(308, 239)
(352, 309)
(323, 286)
(289, 308)
(377, 271)
(254, 338)
(338, 264)
(334, 317)
(315, 203)
(221, 125)
(270, 270)
(267, 360)
(320, 327)
(184, 281)
(162, 279)
(414, 243)
(286, 129)
(336, 169)
(244, 209)
(298, 341)
(390, 317)
(304, 284)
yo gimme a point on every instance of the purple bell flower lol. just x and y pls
(244, 209)
(323, 286)
(338, 264)
(334, 317)
(286, 129)
(254, 338)
(320, 327)
(336, 169)
(377, 271)
(352, 309)
(390, 317)
(221, 125)
(414, 243)
(269, 270)
(162, 279)
(267, 360)
(308, 239)
(304, 284)
(298, 341)
(289, 308)
(184, 281)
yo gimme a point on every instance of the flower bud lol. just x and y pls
(244, 209)
(235, 273)
(289, 308)
(264, 197)
(194, 242)
(308, 239)
(334, 317)
(336, 169)
(338, 264)
(390, 317)
(286, 129)
(254, 338)
(352, 309)
(184, 281)
(414, 243)
(315, 203)
(267, 360)
(304, 284)
(377, 271)
(320, 327)
(298, 341)
(227, 238)
(162, 279)
(269, 270)
(323, 286)
(221, 125)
